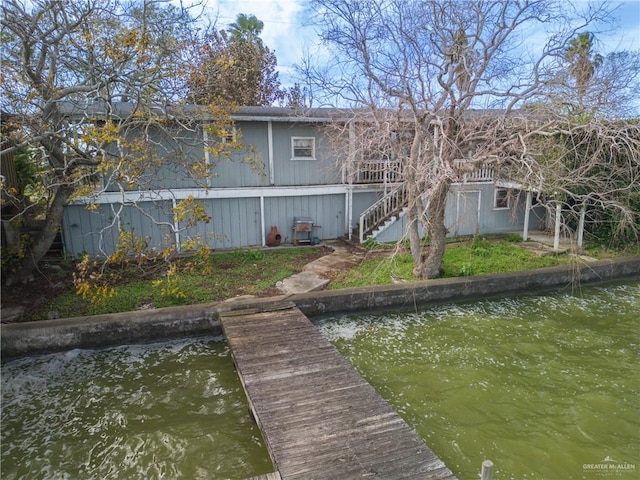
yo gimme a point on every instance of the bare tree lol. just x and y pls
(453, 75)
(87, 87)
(586, 172)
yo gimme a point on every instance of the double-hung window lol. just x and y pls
(501, 198)
(303, 148)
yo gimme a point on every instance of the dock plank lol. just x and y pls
(319, 418)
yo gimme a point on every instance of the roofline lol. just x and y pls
(98, 108)
(92, 109)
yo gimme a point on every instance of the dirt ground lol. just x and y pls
(50, 280)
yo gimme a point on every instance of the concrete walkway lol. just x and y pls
(314, 275)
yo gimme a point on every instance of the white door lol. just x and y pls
(467, 213)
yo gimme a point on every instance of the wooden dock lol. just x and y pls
(319, 418)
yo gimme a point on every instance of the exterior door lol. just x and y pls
(467, 213)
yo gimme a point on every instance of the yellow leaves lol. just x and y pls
(170, 284)
(130, 246)
(97, 280)
(88, 37)
(128, 43)
(190, 211)
(130, 38)
(107, 132)
(225, 62)
(91, 283)
(200, 170)
(96, 293)
(84, 191)
(200, 260)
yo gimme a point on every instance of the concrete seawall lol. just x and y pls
(162, 324)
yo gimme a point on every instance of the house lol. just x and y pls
(303, 186)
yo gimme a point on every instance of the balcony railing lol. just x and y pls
(378, 171)
(477, 174)
(381, 171)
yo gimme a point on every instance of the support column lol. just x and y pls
(556, 236)
(176, 225)
(263, 226)
(527, 208)
(583, 213)
(349, 211)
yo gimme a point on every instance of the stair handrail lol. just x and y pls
(387, 206)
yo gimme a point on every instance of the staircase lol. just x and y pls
(383, 213)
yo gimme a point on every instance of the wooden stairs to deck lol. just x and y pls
(382, 213)
(319, 418)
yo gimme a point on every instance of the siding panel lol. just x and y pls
(96, 232)
(327, 211)
(235, 223)
(321, 171)
(237, 171)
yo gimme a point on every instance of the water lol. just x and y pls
(545, 386)
(171, 410)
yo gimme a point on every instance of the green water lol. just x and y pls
(545, 386)
(172, 410)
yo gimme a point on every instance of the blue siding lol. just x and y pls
(244, 168)
(96, 232)
(236, 222)
(327, 211)
(321, 171)
(168, 161)
(491, 220)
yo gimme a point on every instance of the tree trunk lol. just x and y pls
(430, 267)
(413, 216)
(42, 242)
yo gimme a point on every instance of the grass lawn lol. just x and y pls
(249, 272)
(256, 272)
(476, 257)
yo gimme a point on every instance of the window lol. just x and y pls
(303, 148)
(231, 135)
(501, 198)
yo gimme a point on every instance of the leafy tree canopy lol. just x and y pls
(88, 87)
(235, 65)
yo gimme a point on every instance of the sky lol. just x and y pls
(287, 33)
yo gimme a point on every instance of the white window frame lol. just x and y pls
(505, 198)
(231, 135)
(313, 148)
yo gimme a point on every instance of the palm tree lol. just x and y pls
(582, 62)
(247, 28)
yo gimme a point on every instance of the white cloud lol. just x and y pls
(285, 31)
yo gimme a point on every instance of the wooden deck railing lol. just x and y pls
(478, 174)
(381, 171)
(391, 204)
(378, 171)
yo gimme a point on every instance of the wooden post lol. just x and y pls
(583, 212)
(487, 470)
(527, 208)
(556, 236)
